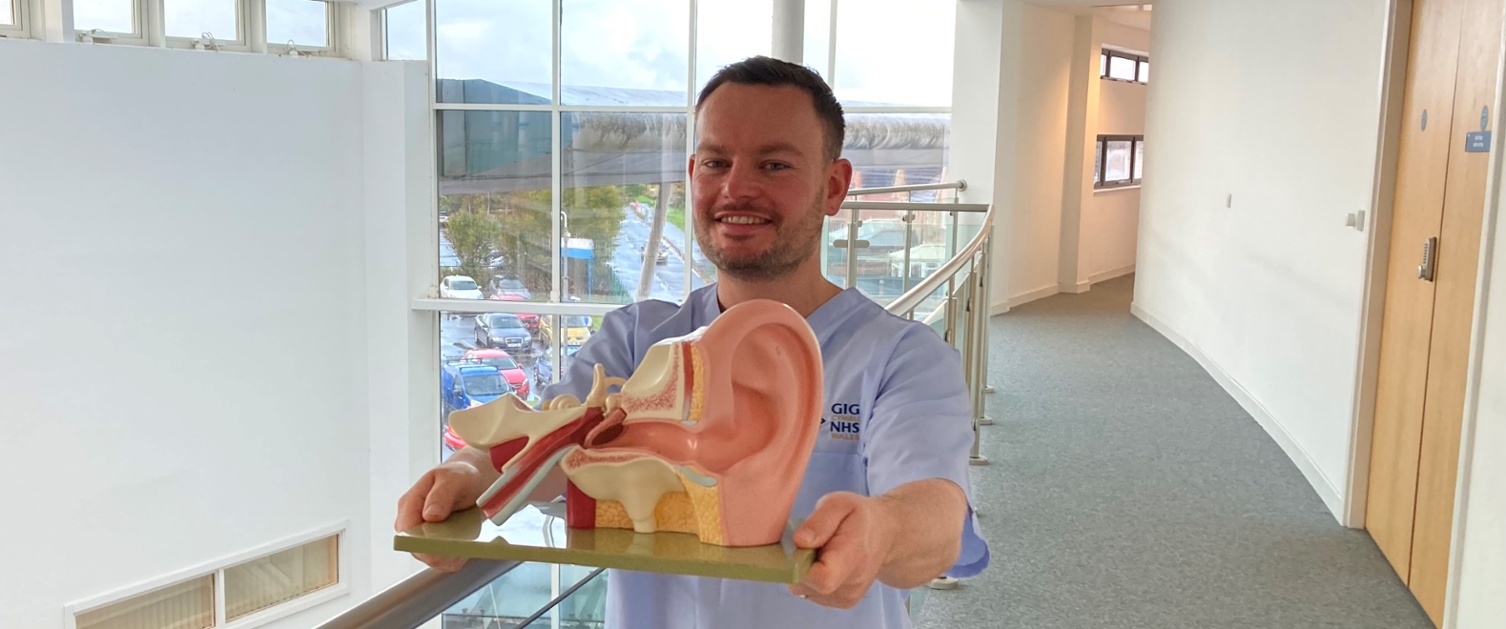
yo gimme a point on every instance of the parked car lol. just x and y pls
(463, 386)
(529, 319)
(577, 328)
(504, 363)
(505, 331)
(511, 286)
(459, 287)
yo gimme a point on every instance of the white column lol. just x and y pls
(789, 31)
(54, 20)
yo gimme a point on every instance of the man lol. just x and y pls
(888, 509)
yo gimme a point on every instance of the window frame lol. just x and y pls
(20, 12)
(1100, 181)
(140, 34)
(332, 31)
(150, 30)
(1105, 64)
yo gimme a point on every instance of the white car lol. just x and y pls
(459, 287)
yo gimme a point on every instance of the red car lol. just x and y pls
(530, 320)
(504, 363)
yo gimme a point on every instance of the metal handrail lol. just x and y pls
(918, 293)
(420, 597)
(901, 206)
(945, 185)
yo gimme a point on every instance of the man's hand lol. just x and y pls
(855, 534)
(903, 539)
(453, 485)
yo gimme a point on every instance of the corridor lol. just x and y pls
(1127, 490)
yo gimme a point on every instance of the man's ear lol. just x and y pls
(838, 178)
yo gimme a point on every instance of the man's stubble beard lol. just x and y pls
(793, 246)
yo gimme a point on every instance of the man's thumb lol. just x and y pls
(829, 513)
(440, 501)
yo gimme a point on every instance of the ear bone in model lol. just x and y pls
(710, 435)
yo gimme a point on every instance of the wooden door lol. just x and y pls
(1440, 198)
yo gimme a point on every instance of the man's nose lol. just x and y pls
(741, 182)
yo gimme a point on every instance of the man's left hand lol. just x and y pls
(854, 534)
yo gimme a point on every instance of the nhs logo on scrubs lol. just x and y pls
(844, 423)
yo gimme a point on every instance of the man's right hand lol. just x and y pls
(454, 485)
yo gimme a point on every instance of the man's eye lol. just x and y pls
(713, 163)
(776, 166)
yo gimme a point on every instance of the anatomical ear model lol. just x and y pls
(711, 435)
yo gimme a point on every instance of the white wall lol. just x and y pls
(1266, 293)
(183, 347)
(1036, 59)
(1111, 217)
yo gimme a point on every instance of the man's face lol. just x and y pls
(761, 181)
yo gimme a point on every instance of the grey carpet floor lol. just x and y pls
(1126, 489)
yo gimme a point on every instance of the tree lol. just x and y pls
(472, 233)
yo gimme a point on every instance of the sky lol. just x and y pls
(891, 51)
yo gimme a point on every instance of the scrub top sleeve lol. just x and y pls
(611, 346)
(921, 428)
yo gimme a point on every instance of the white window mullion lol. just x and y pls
(219, 598)
(695, 61)
(556, 202)
(253, 15)
(152, 22)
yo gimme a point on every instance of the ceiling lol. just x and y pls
(1133, 14)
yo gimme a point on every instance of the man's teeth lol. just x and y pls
(743, 220)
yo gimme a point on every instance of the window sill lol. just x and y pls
(1116, 189)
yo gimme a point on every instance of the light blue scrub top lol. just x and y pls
(897, 411)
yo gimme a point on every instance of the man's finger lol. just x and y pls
(410, 505)
(823, 578)
(828, 515)
(441, 500)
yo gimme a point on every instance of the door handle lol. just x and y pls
(1425, 271)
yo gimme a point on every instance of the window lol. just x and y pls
(1123, 66)
(110, 18)
(273, 26)
(1118, 161)
(192, 19)
(302, 24)
(260, 586)
(12, 18)
(403, 28)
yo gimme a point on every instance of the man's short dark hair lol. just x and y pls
(776, 73)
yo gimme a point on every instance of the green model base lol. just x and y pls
(538, 534)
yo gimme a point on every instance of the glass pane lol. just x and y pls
(1103, 64)
(494, 52)
(1118, 158)
(405, 25)
(890, 53)
(189, 605)
(586, 607)
(619, 53)
(303, 22)
(897, 149)
(262, 583)
(817, 47)
(1139, 159)
(7, 13)
(1121, 68)
(512, 597)
(485, 356)
(111, 16)
(1098, 162)
(494, 203)
(193, 18)
(728, 31)
(1144, 71)
(622, 173)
